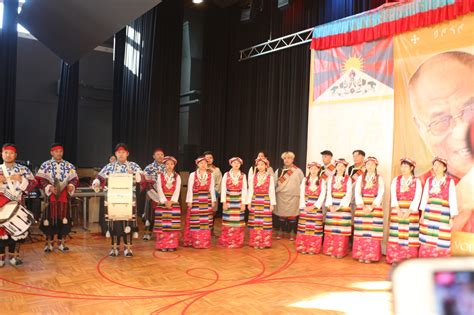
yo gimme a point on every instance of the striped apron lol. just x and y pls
(434, 229)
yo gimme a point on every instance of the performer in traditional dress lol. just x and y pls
(165, 197)
(252, 170)
(117, 229)
(310, 224)
(149, 178)
(288, 195)
(201, 200)
(58, 179)
(358, 168)
(439, 207)
(261, 202)
(217, 176)
(338, 223)
(328, 169)
(406, 191)
(233, 198)
(15, 181)
(260, 155)
(368, 217)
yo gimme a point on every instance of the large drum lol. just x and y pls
(120, 197)
(16, 219)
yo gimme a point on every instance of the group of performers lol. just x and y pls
(330, 209)
(337, 206)
(57, 178)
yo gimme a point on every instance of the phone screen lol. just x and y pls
(454, 292)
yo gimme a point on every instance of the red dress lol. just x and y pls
(310, 225)
(260, 214)
(368, 228)
(167, 221)
(403, 241)
(338, 225)
(233, 219)
(197, 230)
(435, 230)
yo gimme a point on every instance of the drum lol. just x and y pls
(15, 219)
(120, 197)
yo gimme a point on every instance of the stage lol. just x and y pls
(191, 281)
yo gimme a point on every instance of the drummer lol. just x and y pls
(15, 181)
(58, 179)
(118, 229)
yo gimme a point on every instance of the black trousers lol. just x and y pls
(13, 246)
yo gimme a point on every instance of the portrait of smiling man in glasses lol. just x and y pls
(442, 100)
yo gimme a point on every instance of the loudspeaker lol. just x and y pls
(283, 4)
(248, 13)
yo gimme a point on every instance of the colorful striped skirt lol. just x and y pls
(167, 224)
(199, 221)
(233, 222)
(337, 228)
(260, 221)
(310, 229)
(403, 240)
(368, 233)
(435, 231)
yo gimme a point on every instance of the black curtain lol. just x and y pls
(261, 103)
(66, 117)
(119, 55)
(146, 98)
(8, 47)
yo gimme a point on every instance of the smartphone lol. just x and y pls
(438, 286)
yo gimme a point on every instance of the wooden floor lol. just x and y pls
(213, 281)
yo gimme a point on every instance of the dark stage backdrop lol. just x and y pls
(66, 117)
(8, 48)
(261, 103)
(147, 82)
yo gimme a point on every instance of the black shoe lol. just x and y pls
(16, 261)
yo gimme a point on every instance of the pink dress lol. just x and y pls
(260, 215)
(310, 225)
(368, 228)
(197, 230)
(338, 225)
(233, 219)
(403, 241)
(167, 221)
(435, 230)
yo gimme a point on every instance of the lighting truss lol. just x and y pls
(288, 41)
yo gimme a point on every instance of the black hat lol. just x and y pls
(326, 152)
(120, 146)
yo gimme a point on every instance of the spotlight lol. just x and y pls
(198, 1)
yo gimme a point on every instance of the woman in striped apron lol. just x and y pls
(234, 199)
(261, 200)
(167, 210)
(439, 207)
(338, 224)
(405, 198)
(309, 237)
(201, 199)
(368, 217)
